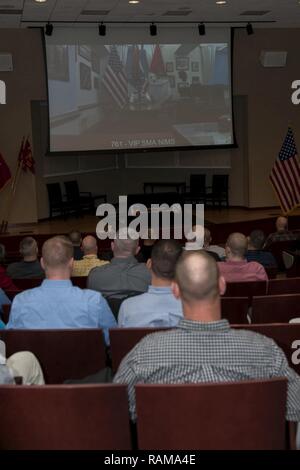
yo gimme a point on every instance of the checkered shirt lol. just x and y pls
(207, 352)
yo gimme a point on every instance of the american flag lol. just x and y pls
(115, 80)
(285, 175)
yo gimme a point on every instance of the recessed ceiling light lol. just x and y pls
(221, 2)
(40, 1)
(134, 1)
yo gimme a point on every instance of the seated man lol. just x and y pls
(76, 240)
(157, 307)
(21, 364)
(204, 348)
(124, 274)
(194, 243)
(30, 267)
(90, 258)
(212, 248)
(57, 303)
(256, 241)
(236, 268)
(282, 233)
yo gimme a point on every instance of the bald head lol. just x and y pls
(281, 224)
(197, 277)
(89, 245)
(236, 246)
(125, 244)
(57, 255)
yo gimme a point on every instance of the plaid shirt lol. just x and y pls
(84, 266)
(285, 236)
(207, 352)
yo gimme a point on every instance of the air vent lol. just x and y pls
(177, 13)
(95, 12)
(255, 13)
(3, 11)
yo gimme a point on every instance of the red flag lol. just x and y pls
(5, 174)
(157, 64)
(25, 157)
(285, 175)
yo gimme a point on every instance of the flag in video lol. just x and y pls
(115, 80)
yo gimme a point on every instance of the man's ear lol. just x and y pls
(138, 248)
(149, 264)
(175, 290)
(222, 285)
(71, 263)
(42, 264)
(112, 246)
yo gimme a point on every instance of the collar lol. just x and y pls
(236, 263)
(191, 325)
(51, 283)
(159, 290)
(90, 257)
(127, 260)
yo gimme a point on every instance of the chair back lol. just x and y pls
(275, 308)
(63, 354)
(54, 194)
(235, 309)
(27, 283)
(284, 286)
(64, 417)
(220, 185)
(115, 302)
(197, 184)
(246, 289)
(277, 249)
(5, 313)
(246, 415)
(72, 191)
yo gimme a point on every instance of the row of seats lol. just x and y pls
(80, 353)
(265, 309)
(238, 416)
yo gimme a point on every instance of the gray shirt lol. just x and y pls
(120, 276)
(25, 269)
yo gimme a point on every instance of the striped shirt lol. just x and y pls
(207, 352)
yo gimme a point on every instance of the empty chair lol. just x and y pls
(246, 289)
(65, 417)
(285, 335)
(275, 308)
(78, 200)
(237, 416)
(56, 203)
(219, 190)
(197, 188)
(235, 309)
(284, 286)
(63, 354)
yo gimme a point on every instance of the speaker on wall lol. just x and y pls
(273, 58)
(6, 62)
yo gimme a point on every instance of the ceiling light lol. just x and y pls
(102, 29)
(201, 28)
(249, 29)
(221, 2)
(49, 29)
(153, 29)
(40, 1)
(133, 2)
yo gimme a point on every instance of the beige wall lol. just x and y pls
(263, 110)
(25, 83)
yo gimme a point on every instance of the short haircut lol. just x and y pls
(197, 275)
(164, 256)
(126, 242)
(89, 244)
(2, 252)
(237, 242)
(75, 237)
(57, 252)
(257, 239)
(28, 246)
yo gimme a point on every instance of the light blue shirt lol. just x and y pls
(156, 308)
(3, 301)
(59, 304)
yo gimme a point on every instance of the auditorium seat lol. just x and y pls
(275, 308)
(24, 284)
(271, 271)
(63, 354)
(235, 309)
(246, 289)
(5, 313)
(246, 415)
(79, 281)
(64, 417)
(284, 335)
(284, 286)
(277, 248)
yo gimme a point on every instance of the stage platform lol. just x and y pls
(221, 222)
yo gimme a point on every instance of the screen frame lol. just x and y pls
(128, 151)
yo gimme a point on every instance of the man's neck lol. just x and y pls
(158, 282)
(235, 258)
(58, 276)
(27, 259)
(203, 311)
(90, 254)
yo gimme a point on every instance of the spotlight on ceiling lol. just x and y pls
(49, 29)
(102, 29)
(249, 29)
(153, 29)
(201, 28)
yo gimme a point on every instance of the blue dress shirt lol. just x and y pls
(156, 308)
(59, 304)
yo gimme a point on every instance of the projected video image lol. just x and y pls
(122, 97)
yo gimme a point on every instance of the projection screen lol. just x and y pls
(130, 91)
